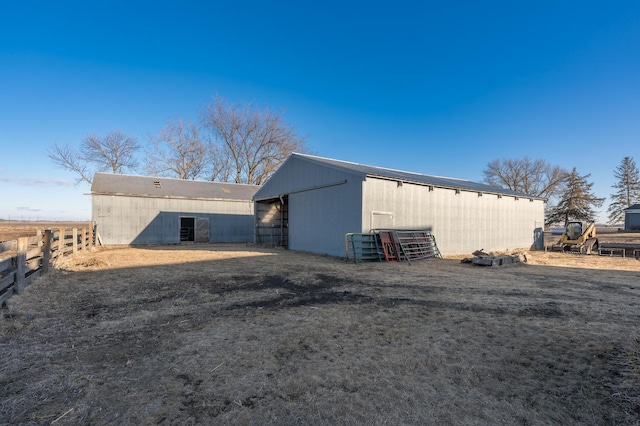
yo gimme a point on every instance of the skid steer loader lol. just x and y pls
(576, 240)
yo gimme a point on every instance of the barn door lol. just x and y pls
(202, 230)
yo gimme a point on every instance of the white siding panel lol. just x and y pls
(461, 222)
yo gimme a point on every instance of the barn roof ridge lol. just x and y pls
(154, 186)
(173, 179)
(419, 178)
(377, 167)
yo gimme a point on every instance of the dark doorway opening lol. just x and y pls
(187, 229)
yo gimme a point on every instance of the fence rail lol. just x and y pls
(25, 259)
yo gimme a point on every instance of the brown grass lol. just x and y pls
(226, 334)
(11, 230)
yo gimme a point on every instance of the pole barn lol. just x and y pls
(150, 210)
(632, 218)
(310, 203)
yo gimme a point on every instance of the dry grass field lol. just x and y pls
(228, 334)
(11, 230)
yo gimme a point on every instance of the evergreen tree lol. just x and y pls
(628, 190)
(577, 202)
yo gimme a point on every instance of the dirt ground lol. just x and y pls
(229, 334)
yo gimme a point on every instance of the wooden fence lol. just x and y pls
(30, 257)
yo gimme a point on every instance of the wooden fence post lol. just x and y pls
(83, 239)
(96, 235)
(21, 259)
(46, 251)
(75, 240)
(90, 236)
(61, 244)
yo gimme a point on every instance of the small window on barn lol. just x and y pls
(157, 184)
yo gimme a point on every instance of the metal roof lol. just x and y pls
(149, 186)
(633, 207)
(410, 177)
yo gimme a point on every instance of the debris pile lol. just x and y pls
(489, 259)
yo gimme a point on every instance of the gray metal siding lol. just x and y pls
(319, 219)
(324, 204)
(461, 221)
(323, 208)
(632, 219)
(144, 220)
(298, 174)
(404, 176)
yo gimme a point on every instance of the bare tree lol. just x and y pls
(252, 143)
(68, 158)
(115, 152)
(221, 169)
(178, 151)
(628, 186)
(532, 177)
(577, 202)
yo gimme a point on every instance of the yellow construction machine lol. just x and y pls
(577, 240)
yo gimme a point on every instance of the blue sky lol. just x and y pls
(438, 88)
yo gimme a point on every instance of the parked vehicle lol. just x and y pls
(578, 238)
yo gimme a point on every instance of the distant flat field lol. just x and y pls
(12, 229)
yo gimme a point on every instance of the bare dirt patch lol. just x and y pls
(230, 334)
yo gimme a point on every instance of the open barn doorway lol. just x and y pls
(272, 221)
(187, 229)
(194, 229)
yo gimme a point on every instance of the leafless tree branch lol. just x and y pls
(537, 178)
(115, 152)
(178, 151)
(67, 158)
(250, 143)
